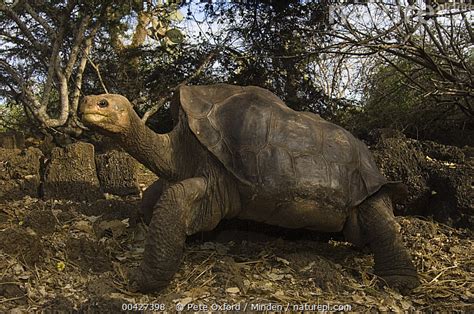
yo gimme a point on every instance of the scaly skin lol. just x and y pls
(171, 222)
(175, 156)
(199, 192)
(381, 232)
(182, 204)
(150, 198)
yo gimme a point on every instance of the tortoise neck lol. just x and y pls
(155, 151)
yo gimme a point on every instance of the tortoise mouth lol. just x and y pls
(93, 117)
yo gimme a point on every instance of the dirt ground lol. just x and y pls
(74, 256)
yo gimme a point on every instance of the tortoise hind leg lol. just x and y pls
(174, 217)
(376, 226)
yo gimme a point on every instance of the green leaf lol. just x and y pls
(175, 35)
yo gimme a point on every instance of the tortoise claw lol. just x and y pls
(403, 283)
(141, 281)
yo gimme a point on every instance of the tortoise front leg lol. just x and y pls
(150, 197)
(173, 218)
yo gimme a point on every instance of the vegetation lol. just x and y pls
(393, 99)
(365, 66)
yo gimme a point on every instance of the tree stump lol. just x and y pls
(118, 173)
(71, 174)
(19, 173)
(12, 140)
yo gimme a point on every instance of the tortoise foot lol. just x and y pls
(403, 283)
(138, 281)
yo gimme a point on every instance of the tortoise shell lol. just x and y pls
(276, 151)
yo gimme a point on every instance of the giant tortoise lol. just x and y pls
(241, 152)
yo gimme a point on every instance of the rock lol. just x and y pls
(43, 222)
(118, 173)
(10, 289)
(26, 245)
(399, 159)
(19, 173)
(71, 174)
(452, 196)
(12, 140)
(439, 178)
(377, 135)
(88, 254)
(442, 152)
(232, 290)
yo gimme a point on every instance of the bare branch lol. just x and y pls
(434, 39)
(40, 20)
(30, 100)
(140, 33)
(163, 100)
(79, 37)
(23, 27)
(53, 66)
(80, 71)
(439, 30)
(99, 75)
(15, 39)
(468, 26)
(64, 100)
(399, 70)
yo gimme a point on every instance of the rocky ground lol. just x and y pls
(62, 255)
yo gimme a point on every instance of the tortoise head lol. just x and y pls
(109, 113)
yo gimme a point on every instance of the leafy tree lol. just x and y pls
(47, 47)
(423, 81)
(273, 45)
(317, 57)
(44, 53)
(393, 100)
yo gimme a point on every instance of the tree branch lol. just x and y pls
(468, 26)
(53, 66)
(163, 100)
(76, 46)
(80, 71)
(64, 103)
(40, 20)
(29, 99)
(99, 75)
(24, 29)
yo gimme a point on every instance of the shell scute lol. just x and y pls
(278, 151)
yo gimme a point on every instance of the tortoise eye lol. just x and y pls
(103, 103)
